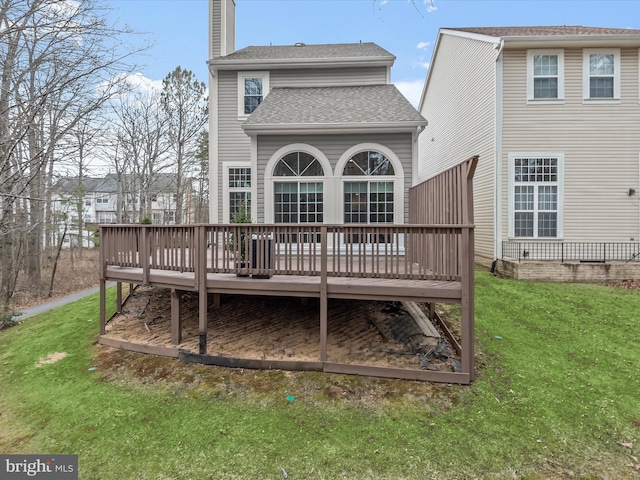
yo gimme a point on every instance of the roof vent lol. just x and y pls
(299, 44)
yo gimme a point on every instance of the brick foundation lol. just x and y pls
(568, 272)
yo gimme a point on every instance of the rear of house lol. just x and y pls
(554, 113)
(307, 133)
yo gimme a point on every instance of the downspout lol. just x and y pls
(497, 220)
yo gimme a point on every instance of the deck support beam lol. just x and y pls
(176, 316)
(103, 306)
(323, 295)
(119, 297)
(200, 275)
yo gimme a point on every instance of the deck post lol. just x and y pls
(467, 318)
(103, 283)
(118, 297)
(176, 316)
(144, 253)
(467, 307)
(103, 307)
(200, 273)
(323, 294)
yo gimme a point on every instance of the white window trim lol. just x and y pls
(511, 184)
(530, 70)
(616, 75)
(265, 89)
(226, 166)
(270, 179)
(397, 179)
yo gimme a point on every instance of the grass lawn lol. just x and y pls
(557, 396)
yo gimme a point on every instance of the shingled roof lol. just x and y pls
(326, 107)
(563, 30)
(303, 52)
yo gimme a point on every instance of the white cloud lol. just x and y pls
(424, 45)
(412, 90)
(431, 5)
(139, 81)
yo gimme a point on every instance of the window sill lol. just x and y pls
(545, 101)
(535, 239)
(601, 101)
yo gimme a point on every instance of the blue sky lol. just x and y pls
(407, 29)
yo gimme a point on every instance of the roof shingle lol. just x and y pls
(376, 104)
(561, 30)
(309, 52)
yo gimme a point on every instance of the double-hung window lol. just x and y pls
(545, 76)
(253, 87)
(601, 74)
(239, 188)
(536, 196)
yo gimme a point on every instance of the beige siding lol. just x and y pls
(230, 30)
(460, 107)
(333, 146)
(327, 77)
(600, 143)
(222, 27)
(233, 143)
(215, 28)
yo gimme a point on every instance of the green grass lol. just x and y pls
(557, 396)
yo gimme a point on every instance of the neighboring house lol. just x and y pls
(96, 197)
(554, 114)
(307, 133)
(104, 201)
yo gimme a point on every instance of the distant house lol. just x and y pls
(554, 114)
(103, 201)
(307, 133)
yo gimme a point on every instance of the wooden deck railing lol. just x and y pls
(261, 249)
(437, 246)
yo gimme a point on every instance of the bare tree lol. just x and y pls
(201, 183)
(60, 63)
(142, 143)
(185, 104)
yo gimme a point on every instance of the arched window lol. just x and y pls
(368, 197)
(298, 196)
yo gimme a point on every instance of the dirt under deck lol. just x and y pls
(283, 328)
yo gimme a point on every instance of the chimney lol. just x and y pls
(222, 27)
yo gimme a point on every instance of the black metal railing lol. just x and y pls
(572, 251)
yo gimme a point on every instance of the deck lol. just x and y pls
(418, 262)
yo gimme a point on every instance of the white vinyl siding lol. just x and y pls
(460, 106)
(600, 150)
